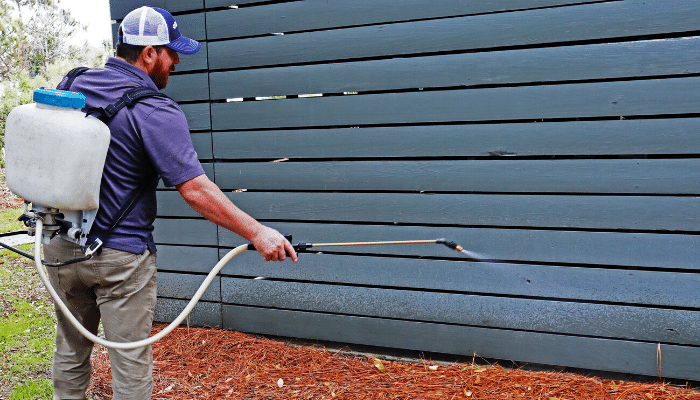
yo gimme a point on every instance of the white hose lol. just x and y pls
(128, 345)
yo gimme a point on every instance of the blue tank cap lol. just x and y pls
(60, 98)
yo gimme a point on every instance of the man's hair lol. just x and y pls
(131, 52)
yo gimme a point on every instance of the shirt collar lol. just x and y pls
(122, 66)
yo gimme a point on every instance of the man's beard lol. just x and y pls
(160, 75)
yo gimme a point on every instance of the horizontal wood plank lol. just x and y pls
(588, 138)
(663, 176)
(648, 250)
(551, 349)
(610, 20)
(532, 103)
(489, 278)
(203, 146)
(188, 87)
(541, 211)
(198, 115)
(485, 210)
(205, 313)
(226, 3)
(576, 318)
(186, 258)
(598, 61)
(185, 232)
(119, 8)
(184, 286)
(319, 14)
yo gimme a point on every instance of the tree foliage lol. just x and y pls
(36, 50)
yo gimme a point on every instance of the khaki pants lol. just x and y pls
(118, 288)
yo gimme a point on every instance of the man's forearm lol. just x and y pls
(208, 200)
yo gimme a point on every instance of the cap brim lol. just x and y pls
(185, 45)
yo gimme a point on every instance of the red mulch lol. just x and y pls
(198, 363)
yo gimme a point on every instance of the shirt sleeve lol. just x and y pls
(167, 141)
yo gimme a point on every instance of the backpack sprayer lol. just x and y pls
(59, 170)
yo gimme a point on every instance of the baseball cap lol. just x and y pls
(152, 26)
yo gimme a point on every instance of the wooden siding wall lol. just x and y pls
(558, 139)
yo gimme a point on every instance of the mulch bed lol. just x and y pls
(198, 363)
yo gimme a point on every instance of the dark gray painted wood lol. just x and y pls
(193, 62)
(198, 115)
(543, 211)
(598, 61)
(203, 146)
(208, 167)
(591, 100)
(541, 281)
(618, 137)
(322, 14)
(205, 313)
(660, 251)
(187, 259)
(611, 20)
(564, 211)
(611, 321)
(185, 232)
(665, 176)
(184, 286)
(188, 87)
(119, 8)
(582, 352)
(225, 3)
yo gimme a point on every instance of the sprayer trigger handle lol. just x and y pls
(288, 237)
(93, 247)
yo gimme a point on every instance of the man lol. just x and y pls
(149, 140)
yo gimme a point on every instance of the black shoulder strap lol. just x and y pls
(129, 98)
(72, 74)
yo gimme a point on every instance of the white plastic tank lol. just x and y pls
(54, 154)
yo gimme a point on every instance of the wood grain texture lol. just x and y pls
(609, 21)
(184, 286)
(665, 176)
(205, 313)
(188, 87)
(551, 349)
(320, 14)
(532, 103)
(119, 8)
(598, 284)
(538, 315)
(589, 249)
(542, 211)
(587, 138)
(566, 63)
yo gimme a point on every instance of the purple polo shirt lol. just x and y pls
(149, 141)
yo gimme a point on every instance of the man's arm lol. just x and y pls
(207, 199)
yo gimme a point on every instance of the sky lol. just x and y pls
(95, 15)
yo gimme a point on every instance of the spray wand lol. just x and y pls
(303, 247)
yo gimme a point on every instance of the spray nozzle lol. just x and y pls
(452, 245)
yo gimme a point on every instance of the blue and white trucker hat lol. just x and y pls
(152, 26)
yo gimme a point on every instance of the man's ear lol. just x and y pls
(148, 56)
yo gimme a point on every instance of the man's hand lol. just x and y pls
(272, 245)
(208, 200)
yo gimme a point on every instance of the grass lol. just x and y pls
(27, 323)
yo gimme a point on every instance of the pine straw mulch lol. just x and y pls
(198, 363)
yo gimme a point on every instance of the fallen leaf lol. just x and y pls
(378, 364)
